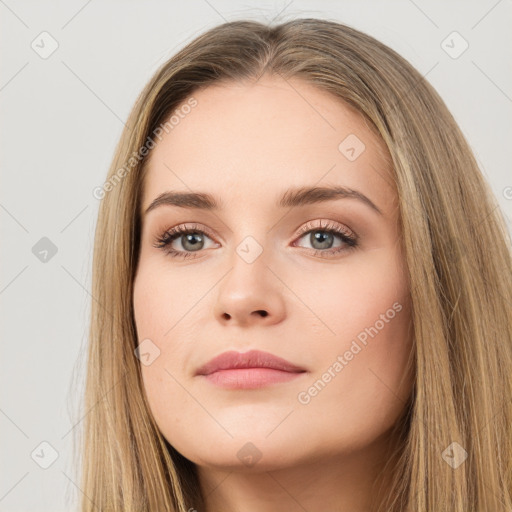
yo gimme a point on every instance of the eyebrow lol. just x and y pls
(290, 199)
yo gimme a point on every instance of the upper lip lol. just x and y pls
(251, 359)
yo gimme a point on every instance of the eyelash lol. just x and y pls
(165, 240)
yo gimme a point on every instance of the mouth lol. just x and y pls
(248, 370)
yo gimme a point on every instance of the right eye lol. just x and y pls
(191, 240)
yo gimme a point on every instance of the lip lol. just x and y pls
(246, 370)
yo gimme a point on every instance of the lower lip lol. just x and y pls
(250, 378)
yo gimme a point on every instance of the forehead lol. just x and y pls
(252, 141)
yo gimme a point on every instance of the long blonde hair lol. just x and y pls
(458, 257)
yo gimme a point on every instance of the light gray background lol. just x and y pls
(61, 118)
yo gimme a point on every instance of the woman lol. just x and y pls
(302, 289)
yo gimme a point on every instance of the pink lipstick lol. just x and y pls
(248, 370)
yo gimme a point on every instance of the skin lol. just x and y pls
(246, 144)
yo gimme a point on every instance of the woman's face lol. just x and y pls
(313, 277)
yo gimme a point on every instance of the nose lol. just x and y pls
(250, 294)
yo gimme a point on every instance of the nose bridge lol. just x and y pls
(249, 263)
(254, 248)
(251, 236)
(251, 250)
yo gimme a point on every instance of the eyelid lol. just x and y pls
(329, 225)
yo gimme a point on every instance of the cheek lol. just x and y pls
(364, 344)
(346, 301)
(164, 315)
(162, 298)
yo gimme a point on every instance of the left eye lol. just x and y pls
(322, 239)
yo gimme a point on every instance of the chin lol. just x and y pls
(249, 454)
